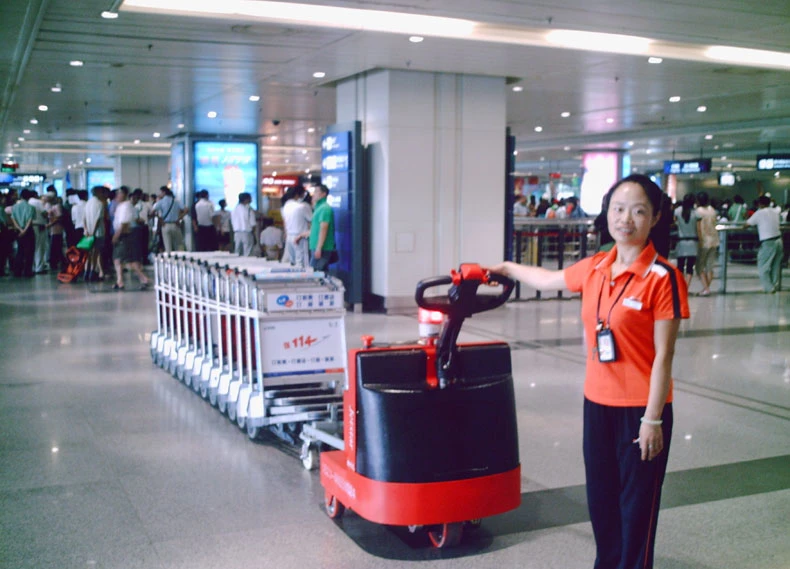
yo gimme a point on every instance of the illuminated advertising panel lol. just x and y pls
(178, 172)
(226, 169)
(104, 178)
(601, 171)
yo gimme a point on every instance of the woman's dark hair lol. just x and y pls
(660, 202)
(737, 198)
(688, 205)
(703, 199)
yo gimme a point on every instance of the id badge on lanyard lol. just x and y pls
(605, 345)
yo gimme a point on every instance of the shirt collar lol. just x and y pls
(319, 202)
(641, 266)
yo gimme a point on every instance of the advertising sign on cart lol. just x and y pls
(294, 347)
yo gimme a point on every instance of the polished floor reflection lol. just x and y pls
(107, 461)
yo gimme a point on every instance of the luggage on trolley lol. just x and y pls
(429, 438)
(262, 341)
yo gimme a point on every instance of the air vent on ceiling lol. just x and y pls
(105, 123)
(262, 30)
(742, 71)
(132, 112)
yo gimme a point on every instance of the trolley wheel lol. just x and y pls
(334, 509)
(212, 395)
(188, 378)
(252, 431)
(180, 373)
(241, 422)
(231, 411)
(474, 524)
(196, 386)
(413, 529)
(222, 404)
(203, 387)
(310, 458)
(446, 535)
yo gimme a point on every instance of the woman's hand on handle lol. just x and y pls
(535, 277)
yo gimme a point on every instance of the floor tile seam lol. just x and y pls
(690, 385)
(753, 405)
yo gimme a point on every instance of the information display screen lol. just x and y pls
(700, 166)
(727, 179)
(226, 169)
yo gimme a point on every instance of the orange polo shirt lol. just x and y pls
(650, 289)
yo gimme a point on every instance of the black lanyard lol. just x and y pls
(599, 324)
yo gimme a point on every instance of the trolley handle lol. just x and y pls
(462, 296)
(437, 303)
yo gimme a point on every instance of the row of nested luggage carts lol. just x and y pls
(262, 341)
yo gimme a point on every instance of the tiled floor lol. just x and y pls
(106, 461)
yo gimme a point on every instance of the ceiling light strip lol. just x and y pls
(455, 28)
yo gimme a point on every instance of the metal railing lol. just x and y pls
(558, 243)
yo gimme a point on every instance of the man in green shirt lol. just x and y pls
(322, 231)
(22, 215)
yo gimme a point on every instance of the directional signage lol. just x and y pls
(773, 162)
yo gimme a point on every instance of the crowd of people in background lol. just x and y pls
(123, 228)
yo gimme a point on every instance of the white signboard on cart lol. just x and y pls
(303, 346)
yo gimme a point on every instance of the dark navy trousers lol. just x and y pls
(623, 493)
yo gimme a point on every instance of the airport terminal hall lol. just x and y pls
(427, 284)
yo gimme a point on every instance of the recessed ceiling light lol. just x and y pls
(630, 143)
(81, 162)
(273, 137)
(274, 173)
(56, 88)
(180, 125)
(566, 148)
(26, 131)
(542, 158)
(33, 121)
(649, 151)
(565, 114)
(609, 120)
(21, 139)
(538, 129)
(729, 165)
(674, 99)
(723, 158)
(416, 39)
(43, 108)
(311, 129)
(255, 98)
(655, 60)
(268, 162)
(307, 170)
(518, 88)
(76, 63)
(304, 151)
(157, 135)
(287, 161)
(702, 109)
(708, 137)
(88, 160)
(137, 141)
(212, 114)
(319, 74)
(107, 15)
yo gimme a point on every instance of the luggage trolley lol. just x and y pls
(262, 341)
(430, 437)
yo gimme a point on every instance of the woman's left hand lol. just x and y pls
(651, 441)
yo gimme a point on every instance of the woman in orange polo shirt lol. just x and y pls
(632, 302)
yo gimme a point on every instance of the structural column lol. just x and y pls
(436, 149)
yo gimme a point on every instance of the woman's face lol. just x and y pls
(630, 216)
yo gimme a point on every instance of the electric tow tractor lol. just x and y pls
(430, 436)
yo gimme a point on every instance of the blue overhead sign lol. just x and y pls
(700, 166)
(336, 152)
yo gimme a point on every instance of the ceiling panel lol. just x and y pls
(146, 74)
